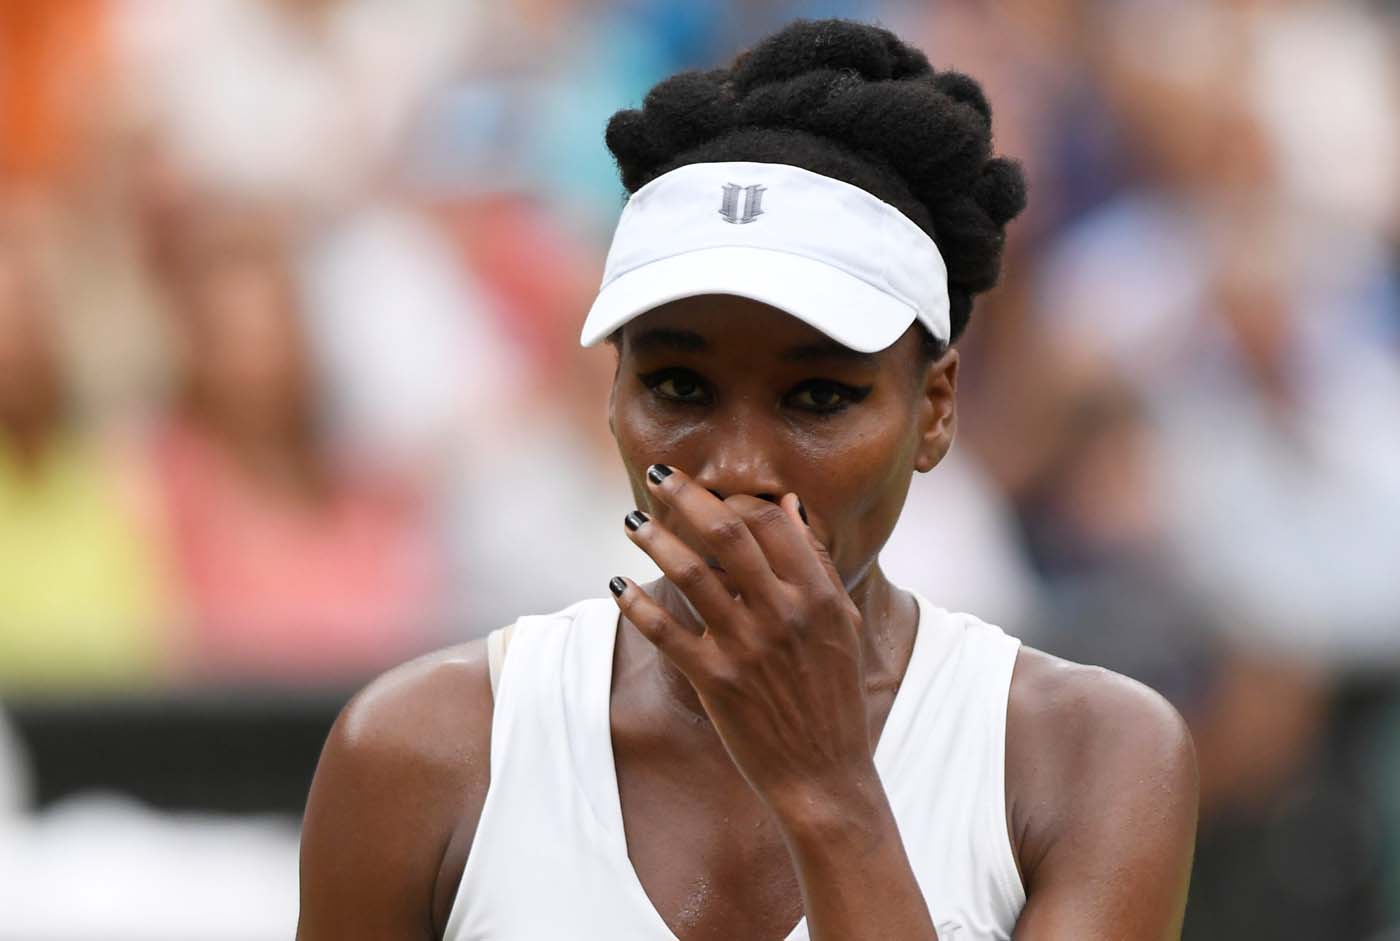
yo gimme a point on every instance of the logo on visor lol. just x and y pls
(753, 203)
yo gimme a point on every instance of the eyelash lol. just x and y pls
(850, 395)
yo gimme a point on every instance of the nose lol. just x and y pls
(738, 460)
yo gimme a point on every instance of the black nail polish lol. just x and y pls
(657, 473)
(635, 519)
(617, 586)
(802, 512)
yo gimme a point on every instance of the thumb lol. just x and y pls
(793, 505)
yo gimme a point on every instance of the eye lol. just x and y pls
(676, 385)
(825, 396)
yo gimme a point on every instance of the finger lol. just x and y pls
(721, 530)
(793, 505)
(683, 567)
(683, 648)
(778, 530)
(795, 511)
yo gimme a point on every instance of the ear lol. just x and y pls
(612, 391)
(938, 412)
(612, 409)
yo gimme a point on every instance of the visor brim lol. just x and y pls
(850, 311)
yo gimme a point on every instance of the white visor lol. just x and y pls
(824, 251)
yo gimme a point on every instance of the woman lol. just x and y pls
(293, 564)
(772, 741)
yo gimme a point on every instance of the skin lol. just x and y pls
(744, 737)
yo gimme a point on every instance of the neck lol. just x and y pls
(889, 617)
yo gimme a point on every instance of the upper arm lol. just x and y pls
(405, 767)
(1108, 792)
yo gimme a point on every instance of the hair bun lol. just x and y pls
(965, 89)
(810, 101)
(937, 144)
(814, 45)
(1001, 190)
(690, 108)
(853, 102)
(627, 139)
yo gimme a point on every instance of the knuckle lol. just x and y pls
(767, 514)
(727, 531)
(791, 621)
(832, 604)
(652, 623)
(724, 677)
(689, 574)
(750, 655)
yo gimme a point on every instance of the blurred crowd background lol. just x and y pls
(290, 392)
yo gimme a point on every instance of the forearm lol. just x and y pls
(856, 879)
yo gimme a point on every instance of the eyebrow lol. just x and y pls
(688, 341)
(829, 350)
(667, 338)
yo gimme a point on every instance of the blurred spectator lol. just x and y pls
(1112, 596)
(1325, 81)
(414, 362)
(1276, 405)
(80, 595)
(299, 100)
(1283, 457)
(1115, 595)
(1248, 326)
(294, 567)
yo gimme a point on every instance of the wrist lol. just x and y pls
(818, 812)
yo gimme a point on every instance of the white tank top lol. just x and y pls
(549, 859)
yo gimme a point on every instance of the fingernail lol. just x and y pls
(657, 473)
(617, 586)
(802, 512)
(635, 519)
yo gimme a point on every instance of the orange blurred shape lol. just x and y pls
(52, 57)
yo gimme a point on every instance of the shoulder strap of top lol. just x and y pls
(497, 643)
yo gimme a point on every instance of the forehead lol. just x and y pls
(724, 325)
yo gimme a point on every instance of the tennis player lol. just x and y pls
(772, 741)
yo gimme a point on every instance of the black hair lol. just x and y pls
(853, 102)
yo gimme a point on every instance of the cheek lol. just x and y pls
(858, 483)
(637, 436)
(643, 439)
(861, 458)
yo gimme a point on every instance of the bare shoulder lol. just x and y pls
(433, 713)
(1068, 710)
(1101, 779)
(396, 796)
